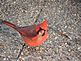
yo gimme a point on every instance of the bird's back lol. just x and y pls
(28, 31)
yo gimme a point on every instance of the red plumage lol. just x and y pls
(33, 35)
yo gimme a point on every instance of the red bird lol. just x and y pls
(33, 35)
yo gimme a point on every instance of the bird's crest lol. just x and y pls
(44, 25)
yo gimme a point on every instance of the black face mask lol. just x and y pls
(40, 30)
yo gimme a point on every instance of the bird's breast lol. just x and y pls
(35, 41)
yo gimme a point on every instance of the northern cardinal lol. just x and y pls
(33, 35)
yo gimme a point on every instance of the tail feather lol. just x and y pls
(9, 24)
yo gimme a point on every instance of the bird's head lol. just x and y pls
(42, 26)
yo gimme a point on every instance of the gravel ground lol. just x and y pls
(63, 16)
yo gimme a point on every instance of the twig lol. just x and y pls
(36, 18)
(61, 33)
(21, 51)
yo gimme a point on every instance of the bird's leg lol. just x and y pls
(21, 51)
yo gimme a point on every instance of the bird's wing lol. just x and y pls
(28, 31)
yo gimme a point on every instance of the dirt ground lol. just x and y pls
(63, 16)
